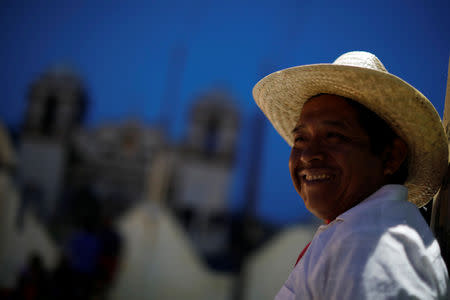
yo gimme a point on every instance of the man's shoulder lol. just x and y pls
(387, 252)
(377, 225)
(401, 236)
(378, 216)
(403, 228)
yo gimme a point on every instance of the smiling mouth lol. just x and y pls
(316, 178)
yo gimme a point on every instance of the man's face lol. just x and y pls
(331, 164)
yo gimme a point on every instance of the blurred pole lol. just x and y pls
(256, 149)
(254, 165)
(177, 61)
(257, 143)
(440, 217)
(252, 194)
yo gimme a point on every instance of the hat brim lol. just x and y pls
(281, 96)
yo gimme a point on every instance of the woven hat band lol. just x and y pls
(360, 59)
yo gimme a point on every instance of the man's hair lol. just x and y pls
(380, 135)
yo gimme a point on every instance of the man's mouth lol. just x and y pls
(316, 176)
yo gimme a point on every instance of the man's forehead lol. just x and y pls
(329, 107)
(326, 101)
(342, 124)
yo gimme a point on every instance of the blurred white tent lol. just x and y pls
(268, 268)
(160, 263)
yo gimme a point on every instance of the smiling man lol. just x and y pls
(367, 150)
(332, 163)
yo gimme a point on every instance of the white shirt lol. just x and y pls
(380, 249)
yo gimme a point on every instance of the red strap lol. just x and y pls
(302, 253)
(306, 248)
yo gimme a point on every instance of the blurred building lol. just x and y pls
(55, 109)
(18, 241)
(67, 170)
(59, 159)
(202, 172)
(169, 199)
(114, 161)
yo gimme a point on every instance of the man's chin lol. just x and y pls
(318, 203)
(318, 189)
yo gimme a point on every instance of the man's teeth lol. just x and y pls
(317, 177)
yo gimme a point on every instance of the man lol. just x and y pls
(367, 150)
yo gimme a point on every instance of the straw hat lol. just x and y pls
(362, 77)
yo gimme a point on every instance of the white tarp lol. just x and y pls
(268, 268)
(160, 263)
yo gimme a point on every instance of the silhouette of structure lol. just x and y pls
(160, 193)
(202, 173)
(123, 163)
(114, 160)
(56, 106)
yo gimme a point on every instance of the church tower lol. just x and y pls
(55, 109)
(203, 171)
(213, 127)
(56, 106)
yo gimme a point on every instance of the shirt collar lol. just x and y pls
(389, 192)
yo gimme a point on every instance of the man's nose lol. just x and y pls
(312, 151)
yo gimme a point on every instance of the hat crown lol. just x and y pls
(360, 59)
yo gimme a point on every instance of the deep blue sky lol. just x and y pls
(121, 49)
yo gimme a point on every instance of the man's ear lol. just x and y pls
(394, 156)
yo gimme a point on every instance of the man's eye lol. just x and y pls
(334, 136)
(299, 138)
